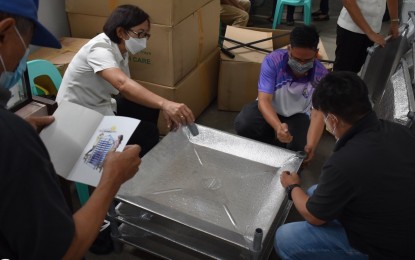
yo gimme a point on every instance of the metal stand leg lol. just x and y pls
(257, 244)
(115, 233)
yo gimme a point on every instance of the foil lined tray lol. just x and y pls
(381, 63)
(389, 74)
(398, 97)
(214, 187)
(406, 6)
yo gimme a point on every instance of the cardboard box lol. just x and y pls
(196, 90)
(172, 52)
(238, 77)
(165, 12)
(60, 57)
(238, 84)
(85, 26)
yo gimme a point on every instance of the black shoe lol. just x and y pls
(103, 244)
(316, 13)
(322, 17)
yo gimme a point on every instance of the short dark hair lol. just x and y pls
(342, 93)
(22, 24)
(304, 36)
(126, 17)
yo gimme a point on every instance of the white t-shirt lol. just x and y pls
(81, 84)
(372, 11)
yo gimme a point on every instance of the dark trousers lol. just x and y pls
(351, 50)
(324, 6)
(290, 11)
(146, 134)
(251, 124)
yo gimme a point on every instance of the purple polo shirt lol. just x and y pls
(290, 95)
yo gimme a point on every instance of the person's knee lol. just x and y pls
(242, 19)
(153, 134)
(246, 5)
(241, 125)
(303, 119)
(146, 135)
(245, 16)
(285, 238)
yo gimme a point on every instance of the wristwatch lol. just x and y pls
(289, 189)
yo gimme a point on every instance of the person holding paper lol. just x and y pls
(282, 114)
(100, 71)
(35, 220)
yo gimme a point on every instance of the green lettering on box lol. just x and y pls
(140, 60)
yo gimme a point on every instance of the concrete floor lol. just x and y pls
(222, 120)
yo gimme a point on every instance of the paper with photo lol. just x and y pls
(80, 138)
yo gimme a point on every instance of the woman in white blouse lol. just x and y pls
(99, 71)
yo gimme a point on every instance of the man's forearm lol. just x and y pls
(393, 9)
(316, 128)
(300, 199)
(90, 218)
(269, 114)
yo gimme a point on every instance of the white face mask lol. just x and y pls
(135, 45)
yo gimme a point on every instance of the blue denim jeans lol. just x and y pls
(301, 240)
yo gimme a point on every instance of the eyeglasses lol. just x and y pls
(301, 60)
(141, 34)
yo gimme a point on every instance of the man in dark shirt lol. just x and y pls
(363, 205)
(35, 222)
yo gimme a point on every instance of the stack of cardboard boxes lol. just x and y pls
(181, 61)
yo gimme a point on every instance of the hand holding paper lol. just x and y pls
(119, 167)
(80, 138)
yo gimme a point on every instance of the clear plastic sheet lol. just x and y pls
(215, 183)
